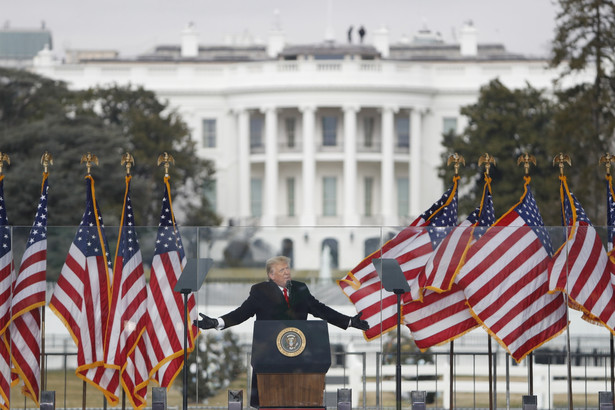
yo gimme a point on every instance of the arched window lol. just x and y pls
(330, 250)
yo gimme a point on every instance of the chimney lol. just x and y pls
(190, 42)
(381, 41)
(276, 41)
(468, 40)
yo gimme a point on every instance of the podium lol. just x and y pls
(290, 359)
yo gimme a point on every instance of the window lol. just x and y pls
(329, 191)
(329, 131)
(403, 197)
(291, 134)
(402, 131)
(209, 133)
(256, 132)
(449, 124)
(256, 197)
(369, 189)
(209, 192)
(368, 130)
(290, 196)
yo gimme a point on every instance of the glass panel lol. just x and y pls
(256, 132)
(403, 197)
(256, 197)
(402, 131)
(290, 132)
(369, 185)
(329, 131)
(368, 129)
(290, 196)
(449, 124)
(210, 193)
(329, 196)
(209, 133)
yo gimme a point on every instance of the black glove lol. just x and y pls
(206, 322)
(356, 321)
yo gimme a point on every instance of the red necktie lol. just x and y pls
(286, 297)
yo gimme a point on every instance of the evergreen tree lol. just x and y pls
(217, 363)
(585, 121)
(41, 115)
(506, 123)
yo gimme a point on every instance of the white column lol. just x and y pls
(351, 216)
(415, 163)
(389, 211)
(270, 198)
(308, 215)
(243, 165)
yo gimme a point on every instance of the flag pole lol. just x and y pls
(166, 160)
(526, 159)
(128, 161)
(487, 160)
(89, 159)
(606, 159)
(454, 159)
(46, 160)
(452, 374)
(561, 160)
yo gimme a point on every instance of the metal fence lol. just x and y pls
(466, 385)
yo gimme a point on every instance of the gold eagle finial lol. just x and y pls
(562, 159)
(456, 159)
(166, 159)
(4, 157)
(487, 160)
(128, 160)
(89, 159)
(526, 159)
(46, 160)
(606, 159)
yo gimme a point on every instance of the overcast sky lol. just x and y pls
(135, 26)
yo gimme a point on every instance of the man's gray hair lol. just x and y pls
(275, 261)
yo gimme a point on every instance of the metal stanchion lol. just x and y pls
(605, 400)
(235, 399)
(344, 399)
(418, 399)
(48, 400)
(159, 398)
(530, 402)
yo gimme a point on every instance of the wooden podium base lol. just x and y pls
(291, 390)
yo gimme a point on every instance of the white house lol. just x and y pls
(312, 135)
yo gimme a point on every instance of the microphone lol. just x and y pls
(288, 284)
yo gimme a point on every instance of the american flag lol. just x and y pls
(128, 313)
(28, 297)
(7, 280)
(448, 257)
(81, 296)
(579, 266)
(439, 317)
(443, 315)
(506, 282)
(412, 248)
(166, 307)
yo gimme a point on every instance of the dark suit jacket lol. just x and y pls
(266, 301)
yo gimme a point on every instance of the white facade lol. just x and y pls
(319, 135)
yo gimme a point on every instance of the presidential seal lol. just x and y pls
(291, 341)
